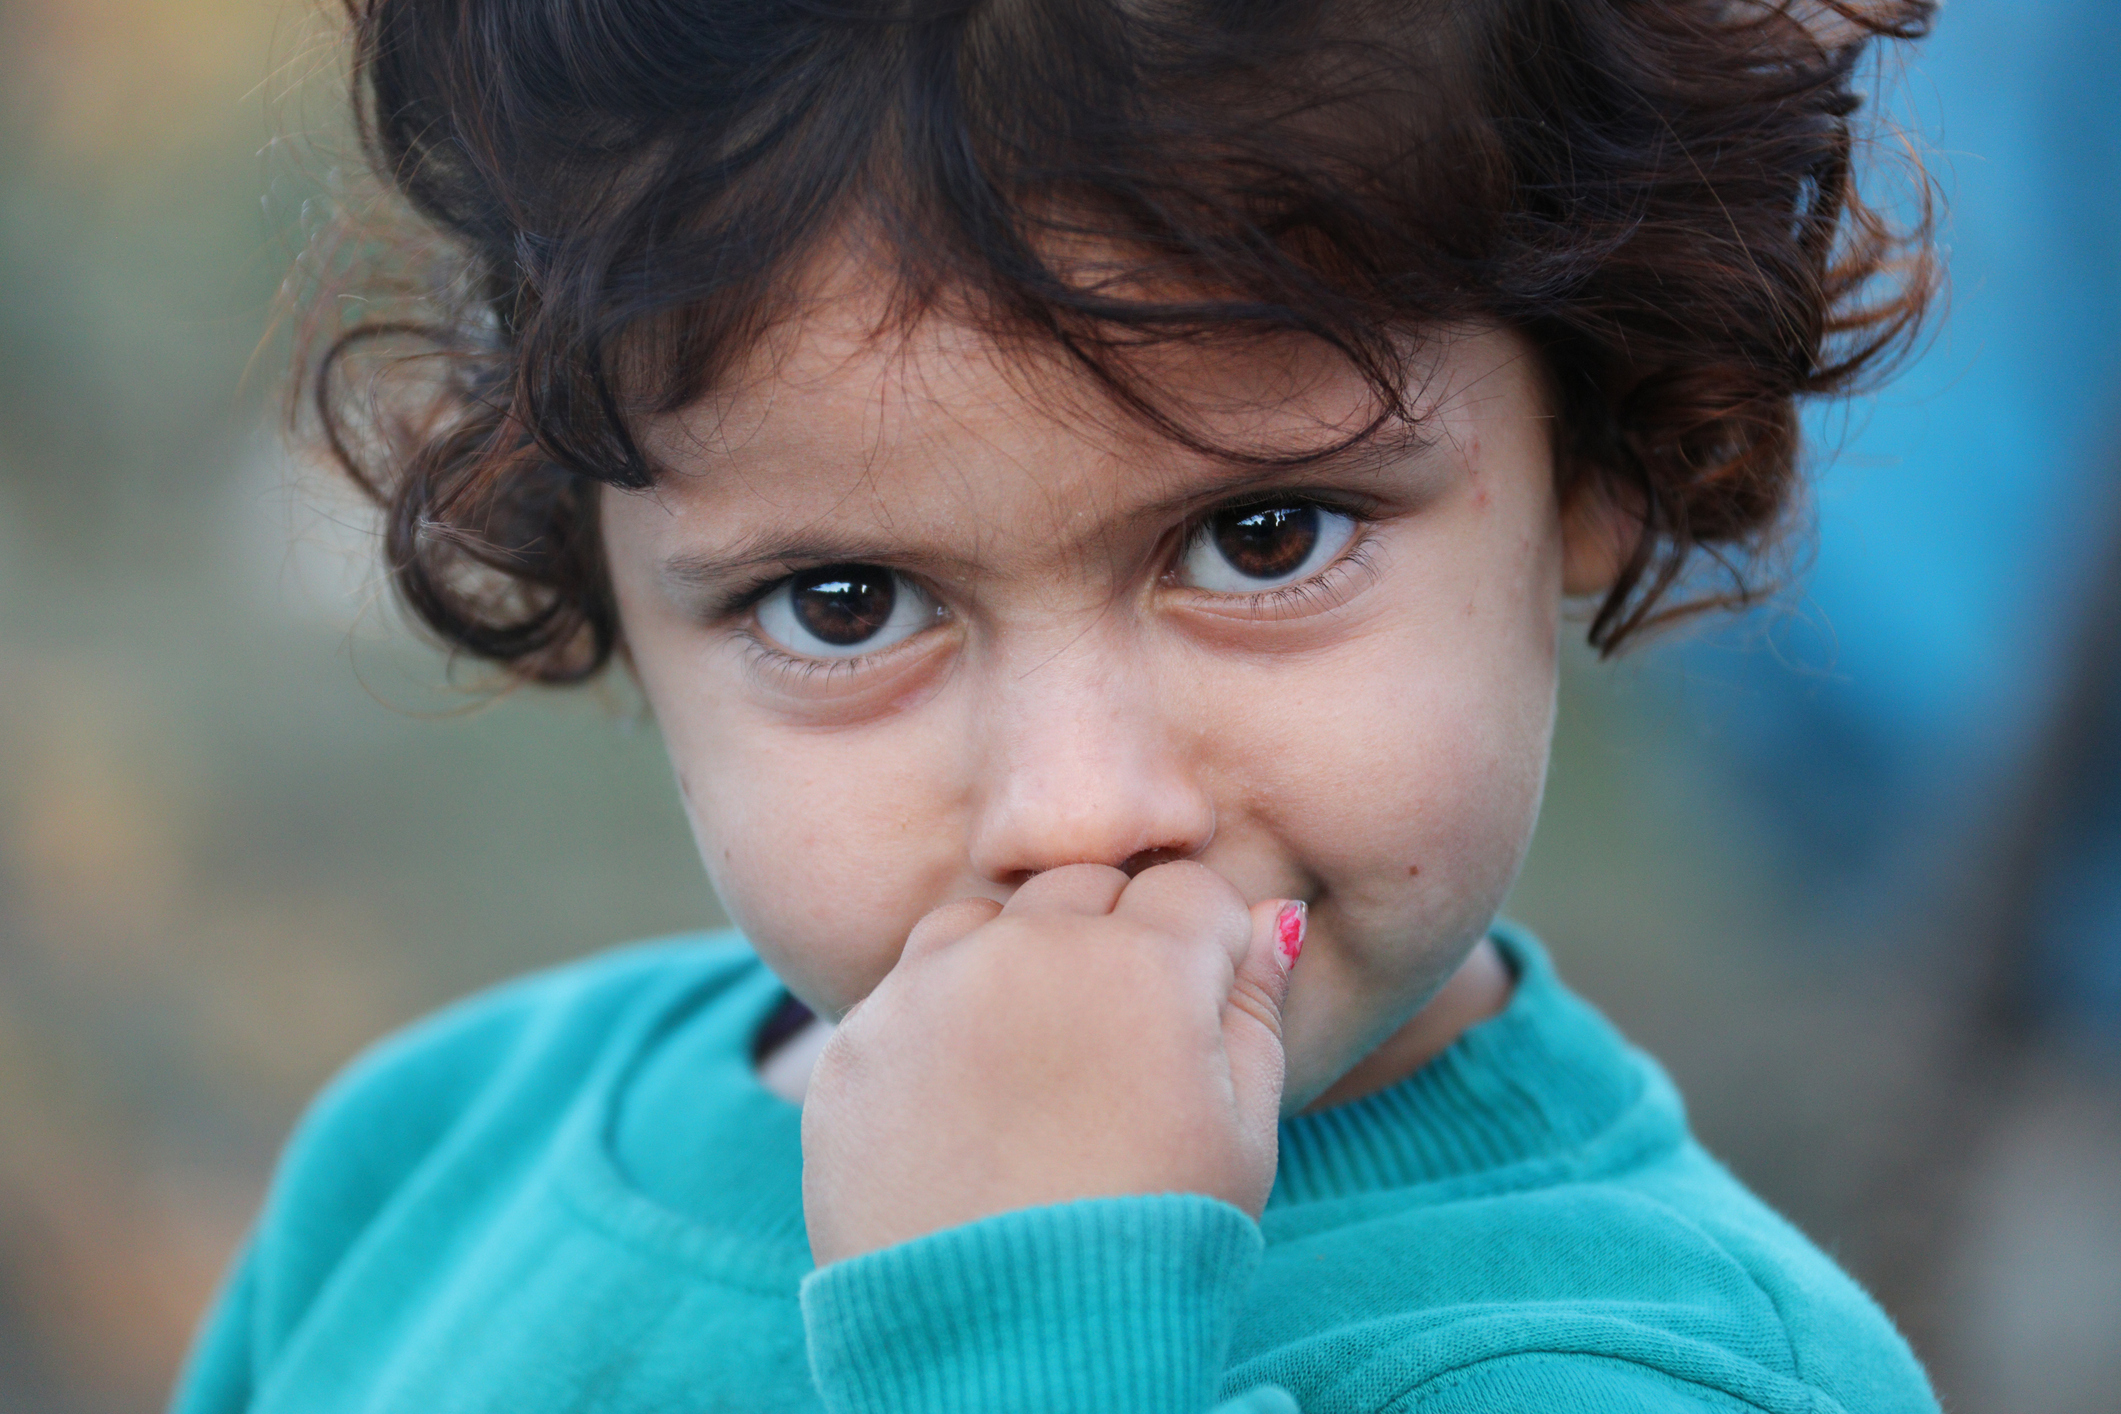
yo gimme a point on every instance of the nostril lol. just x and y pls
(1150, 858)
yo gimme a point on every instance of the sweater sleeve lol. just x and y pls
(1540, 1382)
(217, 1377)
(1104, 1306)
(371, 1132)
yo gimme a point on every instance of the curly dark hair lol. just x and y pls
(1660, 194)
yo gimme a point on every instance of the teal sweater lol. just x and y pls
(570, 1194)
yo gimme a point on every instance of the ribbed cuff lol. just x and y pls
(1105, 1306)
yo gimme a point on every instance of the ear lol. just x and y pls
(1601, 524)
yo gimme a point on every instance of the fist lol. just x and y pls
(1095, 1036)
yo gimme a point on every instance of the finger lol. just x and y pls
(940, 927)
(1089, 889)
(1252, 1021)
(1189, 900)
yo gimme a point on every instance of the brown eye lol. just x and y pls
(1245, 549)
(842, 611)
(843, 604)
(1265, 542)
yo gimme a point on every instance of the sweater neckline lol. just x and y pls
(1539, 1091)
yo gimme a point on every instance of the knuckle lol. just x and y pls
(1182, 879)
(1255, 1001)
(1068, 879)
(1190, 889)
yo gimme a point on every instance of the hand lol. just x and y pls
(1096, 1036)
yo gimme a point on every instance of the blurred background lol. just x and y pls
(1851, 867)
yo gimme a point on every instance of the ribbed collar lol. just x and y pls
(1543, 1088)
(681, 1135)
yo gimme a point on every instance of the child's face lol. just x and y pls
(1052, 636)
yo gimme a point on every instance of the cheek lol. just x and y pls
(1471, 765)
(1428, 790)
(824, 848)
(1408, 785)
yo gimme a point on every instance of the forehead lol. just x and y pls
(846, 411)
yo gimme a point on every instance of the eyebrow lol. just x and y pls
(705, 569)
(696, 569)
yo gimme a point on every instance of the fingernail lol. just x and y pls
(1289, 932)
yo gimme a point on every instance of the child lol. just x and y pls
(1088, 488)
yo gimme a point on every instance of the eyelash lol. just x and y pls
(1323, 590)
(763, 657)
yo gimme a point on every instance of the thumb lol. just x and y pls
(1252, 1022)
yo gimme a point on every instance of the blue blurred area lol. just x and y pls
(2078, 937)
(1965, 512)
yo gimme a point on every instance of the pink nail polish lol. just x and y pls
(1289, 932)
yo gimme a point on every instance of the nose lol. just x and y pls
(1082, 762)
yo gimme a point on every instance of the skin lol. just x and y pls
(1031, 858)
